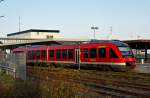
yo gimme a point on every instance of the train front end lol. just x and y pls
(127, 55)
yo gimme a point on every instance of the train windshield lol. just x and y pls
(126, 51)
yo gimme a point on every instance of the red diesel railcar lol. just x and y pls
(107, 54)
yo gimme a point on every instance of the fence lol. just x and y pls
(14, 64)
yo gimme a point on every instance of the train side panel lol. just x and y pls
(37, 55)
(103, 54)
(61, 54)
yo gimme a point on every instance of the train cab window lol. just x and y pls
(43, 54)
(113, 54)
(64, 54)
(102, 52)
(93, 53)
(51, 53)
(58, 54)
(85, 52)
(70, 54)
(37, 54)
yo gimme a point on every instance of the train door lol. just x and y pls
(77, 56)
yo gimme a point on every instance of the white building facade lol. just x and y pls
(36, 34)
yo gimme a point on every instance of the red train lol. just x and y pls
(104, 54)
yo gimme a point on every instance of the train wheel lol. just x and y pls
(130, 66)
(55, 65)
(106, 68)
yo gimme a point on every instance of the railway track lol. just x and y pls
(113, 88)
(120, 83)
(115, 91)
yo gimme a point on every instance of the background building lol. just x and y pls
(36, 34)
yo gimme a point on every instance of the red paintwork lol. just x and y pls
(61, 47)
(37, 49)
(107, 45)
(19, 50)
(107, 59)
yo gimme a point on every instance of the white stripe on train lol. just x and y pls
(100, 63)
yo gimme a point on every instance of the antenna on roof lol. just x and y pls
(110, 33)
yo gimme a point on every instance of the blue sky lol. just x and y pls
(74, 18)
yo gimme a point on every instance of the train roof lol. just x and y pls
(116, 42)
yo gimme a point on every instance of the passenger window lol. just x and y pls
(64, 54)
(51, 53)
(93, 53)
(32, 54)
(102, 52)
(85, 52)
(43, 54)
(58, 54)
(113, 54)
(70, 54)
(37, 54)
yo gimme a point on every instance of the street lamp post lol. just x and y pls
(0, 2)
(94, 29)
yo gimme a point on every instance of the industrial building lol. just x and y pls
(35, 34)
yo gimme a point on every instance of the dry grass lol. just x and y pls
(97, 74)
(59, 87)
(10, 88)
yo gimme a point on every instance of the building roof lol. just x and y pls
(139, 44)
(139, 40)
(33, 30)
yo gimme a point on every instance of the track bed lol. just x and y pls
(103, 83)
